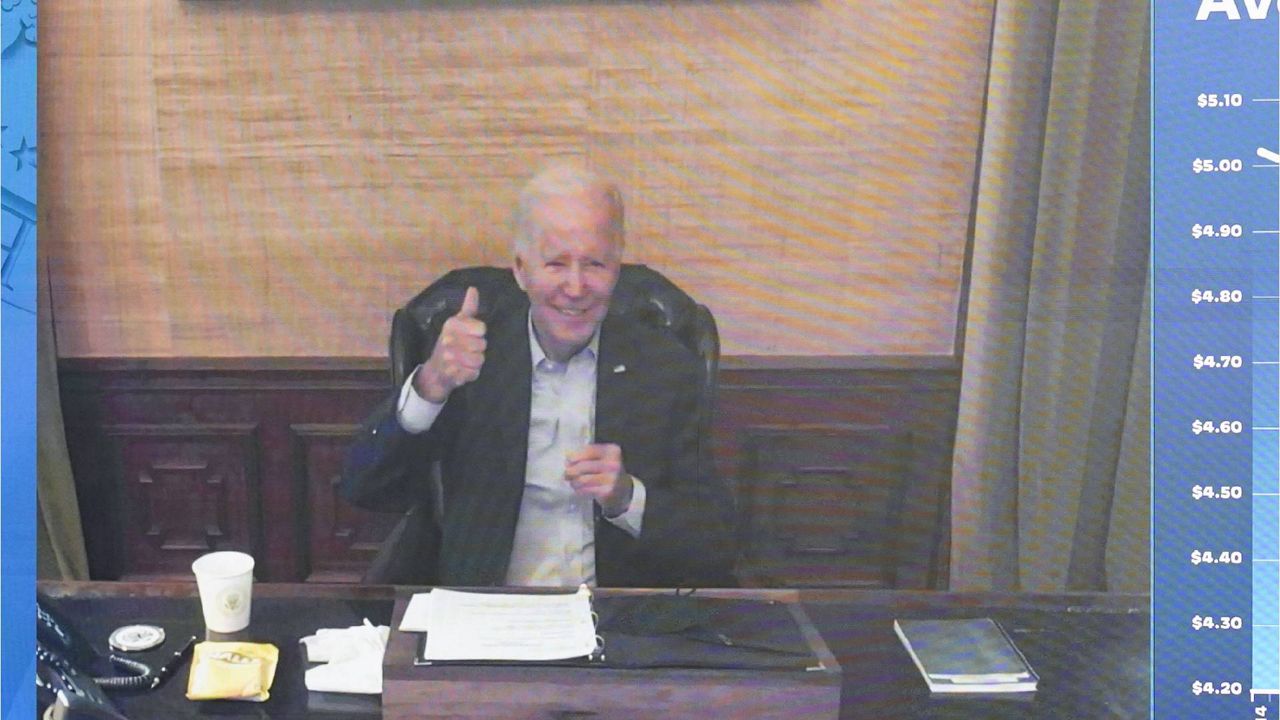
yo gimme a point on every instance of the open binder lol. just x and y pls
(480, 627)
(664, 654)
(621, 631)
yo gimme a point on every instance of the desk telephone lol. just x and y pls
(65, 689)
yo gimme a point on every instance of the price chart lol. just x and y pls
(1216, 359)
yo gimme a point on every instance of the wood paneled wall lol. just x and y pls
(841, 475)
(273, 177)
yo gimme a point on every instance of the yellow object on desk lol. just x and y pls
(232, 671)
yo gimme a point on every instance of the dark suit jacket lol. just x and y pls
(645, 402)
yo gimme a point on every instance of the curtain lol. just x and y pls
(60, 549)
(1050, 474)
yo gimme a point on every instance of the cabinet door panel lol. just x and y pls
(822, 504)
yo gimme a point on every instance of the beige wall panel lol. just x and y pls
(102, 224)
(274, 177)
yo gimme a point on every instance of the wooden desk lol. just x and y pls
(1092, 652)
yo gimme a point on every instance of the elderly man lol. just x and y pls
(568, 437)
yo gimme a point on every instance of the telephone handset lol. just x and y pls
(65, 693)
(65, 689)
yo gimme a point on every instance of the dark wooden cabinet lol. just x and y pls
(822, 504)
(840, 475)
(175, 458)
(182, 490)
(340, 539)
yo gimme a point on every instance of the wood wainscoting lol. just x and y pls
(841, 466)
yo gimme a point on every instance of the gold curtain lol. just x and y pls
(1050, 476)
(60, 549)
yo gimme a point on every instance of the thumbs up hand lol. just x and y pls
(458, 355)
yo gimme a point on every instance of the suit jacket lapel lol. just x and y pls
(500, 404)
(614, 372)
(513, 386)
(620, 380)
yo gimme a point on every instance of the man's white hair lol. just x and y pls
(558, 180)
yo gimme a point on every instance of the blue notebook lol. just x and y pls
(966, 656)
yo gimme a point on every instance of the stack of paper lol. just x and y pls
(513, 627)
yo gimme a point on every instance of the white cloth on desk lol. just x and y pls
(352, 658)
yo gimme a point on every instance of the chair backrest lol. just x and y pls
(641, 292)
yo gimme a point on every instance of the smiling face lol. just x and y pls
(569, 268)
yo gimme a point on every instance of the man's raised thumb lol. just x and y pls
(470, 303)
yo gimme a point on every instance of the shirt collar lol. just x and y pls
(537, 354)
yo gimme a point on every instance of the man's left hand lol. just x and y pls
(596, 471)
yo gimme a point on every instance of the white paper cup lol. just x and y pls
(225, 580)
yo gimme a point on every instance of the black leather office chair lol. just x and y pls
(642, 293)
